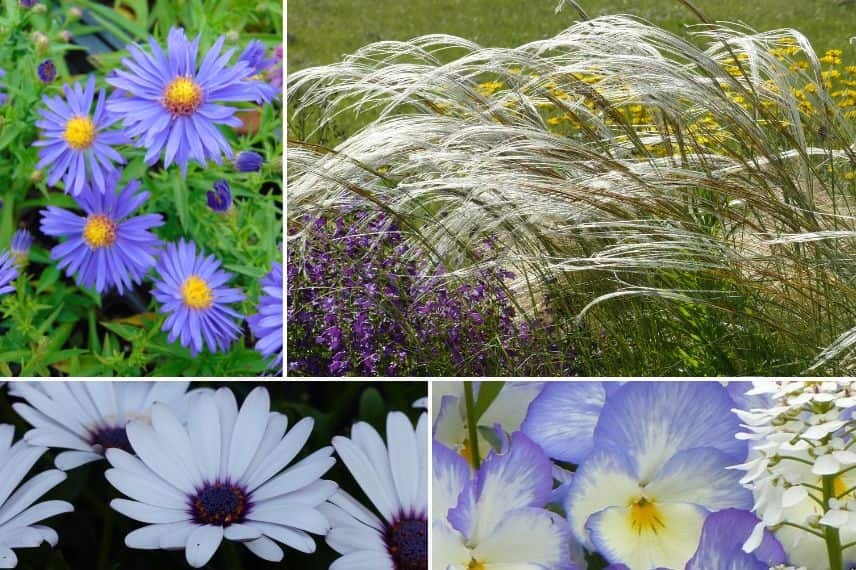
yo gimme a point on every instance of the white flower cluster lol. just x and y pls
(801, 467)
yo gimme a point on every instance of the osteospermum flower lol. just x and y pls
(221, 476)
(496, 520)
(267, 323)
(88, 418)
(174, 106)
(75, 140)
(18, 514)
(191, 289)
(8, 272)
(105, 248)
(395, 479)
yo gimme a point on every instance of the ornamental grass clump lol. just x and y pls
(693, 199)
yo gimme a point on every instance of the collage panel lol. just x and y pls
(141, 188)
(571, 188)
(105, 475)
(644, 475)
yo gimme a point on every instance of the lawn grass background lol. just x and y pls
(322, 31)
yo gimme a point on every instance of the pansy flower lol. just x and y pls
(498, 520)
(76, 143)
(172, 104)
(105, 247)
(191, 289)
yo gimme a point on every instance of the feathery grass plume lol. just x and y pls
(691, 196)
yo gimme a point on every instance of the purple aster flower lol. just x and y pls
(105, 248)
(191, 289)
(8, 272)
(274, 72)
(173, 106)
(29, 3)
(249, 161)
(47, 71)
(254, 56)
(22, 240)
(267, 323)
(3, 96)
(220, 199)
(77, 144)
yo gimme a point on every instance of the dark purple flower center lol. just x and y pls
(111, 436)
(220, 504)
(407, 542)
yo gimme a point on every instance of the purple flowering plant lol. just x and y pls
(109, 150)
(361, 301)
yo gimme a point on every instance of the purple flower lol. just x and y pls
(29, 3)
(172, 105)
(254, 56)
(191, 290)
(22, 240)
(47, 71)
(220, 199)
(3, 96)
(266, 325)
(249, 161)
(722, 539)
(105, 248)
(8, 272)
(76, 144)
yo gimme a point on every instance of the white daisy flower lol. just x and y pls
(221, 476)
(18, 514)
(395, 480)
(88, 418)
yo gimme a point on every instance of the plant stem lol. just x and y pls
(833, 540)
(471, 423)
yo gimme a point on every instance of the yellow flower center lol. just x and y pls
(196, 293)
(79, 132)
(467, 452)
(839, 487)
(99, 231)
(645, 516)
(182, 96)
(475, 565)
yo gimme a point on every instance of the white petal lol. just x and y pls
(149, 449)
(170, 432)
(248, 432)
(285, 451)
(296, 516)
(293, 478)
(367, 478)
(265, 548)
(148, 513)
(403, 458)
(527, 536)
(203, 426)
(8, 558)
(363, 560)
(202, 544)
(149, 537)
(146, 489)
(447, 546)
(241, 532)
(30, 492)
(794, 496)
(826, 465)
(296, 539)
(68, 460)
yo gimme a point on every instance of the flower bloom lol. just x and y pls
(722, 540)
(395, 479)
(267, 323)
(8, 272)
(254, 56)
(221, 476)
(173, 106)
(76, 143)
(22, 241)
(249, 161)
(220, 199)
(658, 467)
(106, 248)
(18, 514)
(47, 71)
(450, 417)
(497, 519)
(191, 289)
(88, 418)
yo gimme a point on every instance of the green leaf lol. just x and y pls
(488, 391)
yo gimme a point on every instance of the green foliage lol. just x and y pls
(52, 327)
